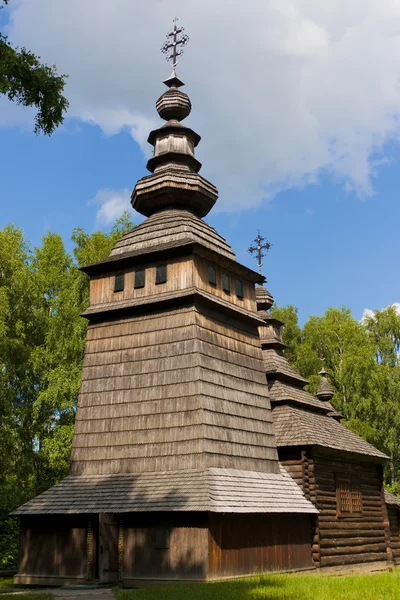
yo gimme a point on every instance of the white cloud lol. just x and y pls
(368, 313)
(112, 204)
(282, 90)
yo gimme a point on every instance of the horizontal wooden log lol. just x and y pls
(348, 550)
(295, 463)
(351, 559)
(344, 525)
(351, 541)
(371, 519)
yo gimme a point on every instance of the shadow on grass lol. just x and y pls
(382, 586)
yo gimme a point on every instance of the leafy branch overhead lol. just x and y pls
(27, 81)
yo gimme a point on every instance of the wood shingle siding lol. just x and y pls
(138, 382)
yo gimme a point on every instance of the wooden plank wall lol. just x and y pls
(182, 273)
(244, 544)
(200, 280)
(394, 521)
(179, 277)
(53, 546)
(186, 557)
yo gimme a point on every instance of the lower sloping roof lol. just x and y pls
(280, 391)
(297, 427)
(392, 500)
(213, 489)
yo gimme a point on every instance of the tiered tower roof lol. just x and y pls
(300, 419)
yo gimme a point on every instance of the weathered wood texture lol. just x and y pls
(183, 273)
(394, 521)
(341, 540)
(177, 389)
(174, 225)
(108, 547)
(200, 280)
(349, 539)
(245, 544)
(185, 551)
(54, 547)
(179, 277)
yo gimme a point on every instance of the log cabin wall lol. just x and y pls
(394, 522)
(244, 544)
(56, 549)
(341, 539)
(349, 537)
(164, 546)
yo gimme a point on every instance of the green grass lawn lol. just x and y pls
(6, 582)
(381, 586)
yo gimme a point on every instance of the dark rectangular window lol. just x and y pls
(212, 275)
(226, 285)
(140, 278)
(239, 288)
(348, 495)
(161, 274)
(119, 282)
(163, 535)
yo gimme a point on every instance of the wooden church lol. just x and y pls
(197, 454)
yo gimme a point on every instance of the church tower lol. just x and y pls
(174, 468)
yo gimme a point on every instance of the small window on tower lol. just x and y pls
(212, 276)
(161, 274)
(239, 288)
(119, 283)
(348, 495)
(140, 278)
(226, 285)
(163, 535)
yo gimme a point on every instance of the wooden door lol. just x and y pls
(108, 541)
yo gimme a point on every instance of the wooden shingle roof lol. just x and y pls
(280, 391)
(297, 427)
(212, 489)
(168, 226)
(276, 363)
(392, 500)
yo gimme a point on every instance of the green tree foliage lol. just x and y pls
(25, 80)
(42, 337)
(362, 359)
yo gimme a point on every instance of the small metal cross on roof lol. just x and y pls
(176, 41)
(258, 249)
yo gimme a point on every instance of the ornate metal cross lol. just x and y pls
(174, 47)
(258, 249)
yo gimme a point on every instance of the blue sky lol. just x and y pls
(325, 195)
